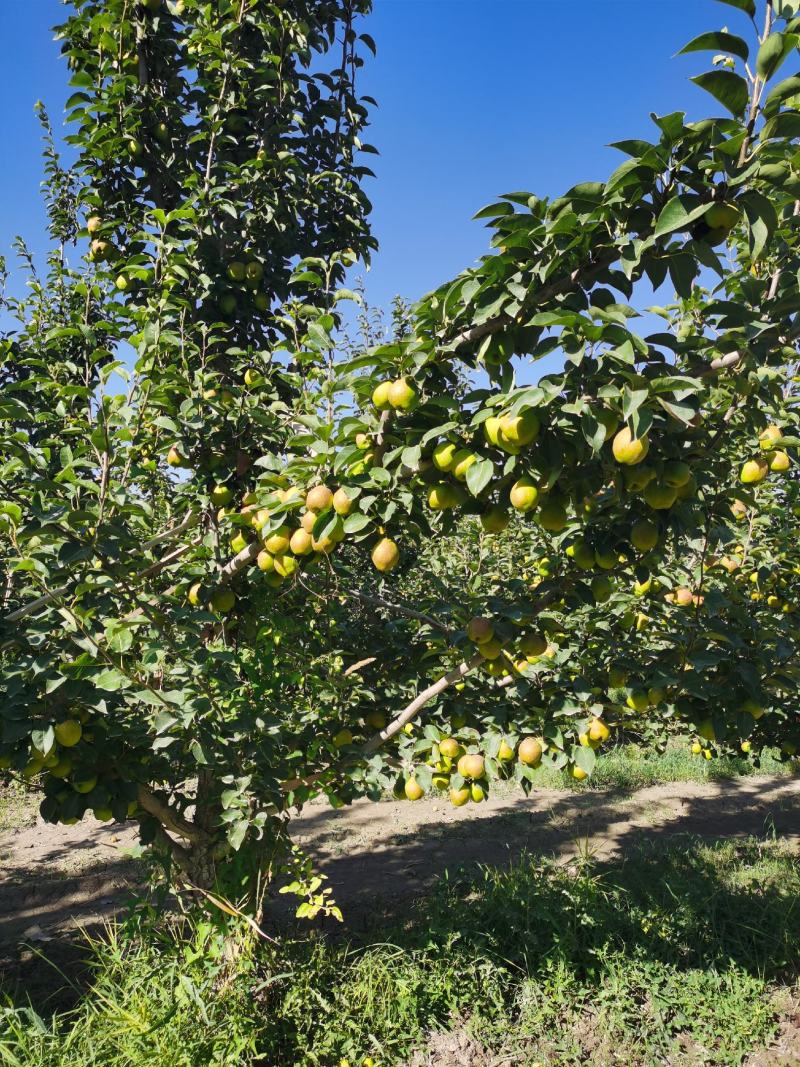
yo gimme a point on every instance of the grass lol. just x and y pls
(629, 767)
(16, 808)
(681, 953)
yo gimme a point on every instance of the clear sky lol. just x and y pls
(477, 98)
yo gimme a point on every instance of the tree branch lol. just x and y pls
(168, 817)
(359, 665)
(239, 562)
(401, 609)
(578, 277)
(167, 535)
(410, 711)
(419, 702)
(179, 854)
(395, 726)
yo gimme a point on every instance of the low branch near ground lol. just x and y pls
(419, 702)
(394, 727)
(179, 854)
(411, 710)
(169, 818)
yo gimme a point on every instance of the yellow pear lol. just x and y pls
(628, 449)
(530, 751)
(385, 555)
(524, 494)
(754, 471)
(319, 498)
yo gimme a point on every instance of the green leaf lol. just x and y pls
(728, 88)
(681, 411)
(773, 52)
(411, 456)
(783, 90)
(718, 42)
(356, 522)
(678, 214)
(479, 475)
(585, 758)
(632, 400)
(593, 431)
(683, 271)
(236, 834)
(164, 721)
(762, 218)
(748, 6)
(43, 739)
(14, 511)
(111, 680)
(672, 382)
(197, 751)
(493, 211)
(670, 125)
(118, 635)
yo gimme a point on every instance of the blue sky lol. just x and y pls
(477, 97)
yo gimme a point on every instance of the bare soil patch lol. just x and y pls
(378, 855)
(54, 879)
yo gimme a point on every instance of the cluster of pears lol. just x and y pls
(595, 734)
(282, 549)
(449, 756)
(55, 761)
(512, 432)
(660, 486)
(373, 720)
(770, 588)
(500, 658)
(707, 739)
(684, 597)
(247, 273)
(397, 393)
(770, 459)
(366, 455)
(65, 776)
(605, 557)
(101, 250)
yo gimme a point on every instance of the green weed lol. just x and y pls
(677, 951)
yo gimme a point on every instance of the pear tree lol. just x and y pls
(246, 562)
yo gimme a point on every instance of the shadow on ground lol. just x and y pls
(377, 857)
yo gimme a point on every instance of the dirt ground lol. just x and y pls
(376, 856)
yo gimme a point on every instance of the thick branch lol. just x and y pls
(167, 561)
(419, 702)
(189, 520)
(179, 854)
(239, 562)
(395, 726)
(169, 818)
(410, 711)
(723, 362)
(579, 277)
